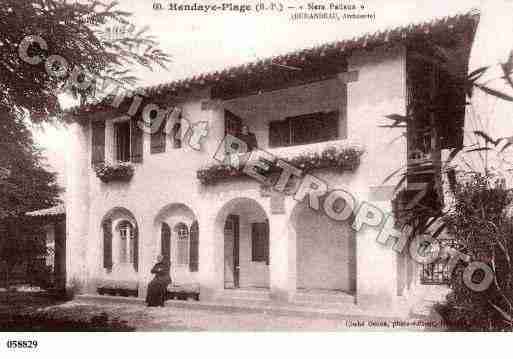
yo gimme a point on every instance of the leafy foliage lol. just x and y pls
(481, 222)
(477, 213)
(77, 32)
(28, 185)
(343, 159)
(118, 172)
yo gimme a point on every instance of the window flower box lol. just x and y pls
(338, 155)
(121, 172)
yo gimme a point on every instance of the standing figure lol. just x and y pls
(249, 138)
(157, 288)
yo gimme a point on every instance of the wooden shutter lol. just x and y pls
(232, 123)
(136, 142)
(279, 133)
(255, 250)
(260, 242)
(98, 142)
(107, 244)
(314, 127)
(194, 247)
(158, 140)
(266, 241)
(329, 126)
(135, 243)
(165, 241)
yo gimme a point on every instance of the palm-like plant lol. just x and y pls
(466, 179)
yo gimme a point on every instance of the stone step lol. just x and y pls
(323, 298)
(245, 294)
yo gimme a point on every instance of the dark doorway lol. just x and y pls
(231, 247)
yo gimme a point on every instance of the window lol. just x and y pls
(98, 142)
(122, 141)
(126, 242)
(232, 123)
(304, 129)
(260, 242)
(182, 244)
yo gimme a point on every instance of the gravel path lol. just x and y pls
(172, 318)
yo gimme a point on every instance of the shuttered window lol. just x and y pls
(304, 129)
(107, 244)
(279, 133)
(194, 247)
(136, 142)
(124, 235)
(232, 123)
(182, 244)
(98, 142)
(260, 242)
(122, 141)
(128, 243)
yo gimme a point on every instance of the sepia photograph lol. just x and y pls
(254, 166)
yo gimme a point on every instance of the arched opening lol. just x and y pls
(179, 241)
(325, 251)
(243, 227)
(120, 242)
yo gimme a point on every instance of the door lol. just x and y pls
(231, 252)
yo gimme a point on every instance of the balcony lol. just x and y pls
(341, 155)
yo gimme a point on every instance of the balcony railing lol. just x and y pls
(341, 155)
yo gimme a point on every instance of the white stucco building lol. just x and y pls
(228, 233)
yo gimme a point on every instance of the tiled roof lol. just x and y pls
(440, 28)
(58, 210)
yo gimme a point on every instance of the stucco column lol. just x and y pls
(147, 254)
(77, 206)
(210, 271)
(282, 260)
(377, 267)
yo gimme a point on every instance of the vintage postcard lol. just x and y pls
(252, 166)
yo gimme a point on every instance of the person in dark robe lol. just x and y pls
(157, 288)
(249, 138)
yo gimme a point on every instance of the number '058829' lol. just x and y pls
(22, 344)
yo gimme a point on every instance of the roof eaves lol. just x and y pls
(384, 37)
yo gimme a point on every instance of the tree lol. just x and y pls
(25, 186)
(476, 205)
(78, 32)
(32, 33)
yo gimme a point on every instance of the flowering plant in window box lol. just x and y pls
(121, 172)
(340, 158)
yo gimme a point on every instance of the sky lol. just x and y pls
(200, 43)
